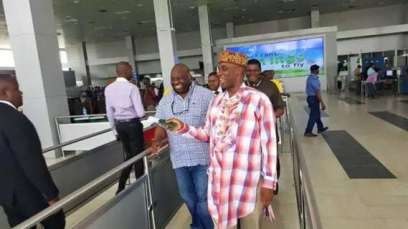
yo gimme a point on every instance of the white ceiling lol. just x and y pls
(87, 19)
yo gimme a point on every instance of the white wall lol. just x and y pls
(366, 18)
(272, 26)
(372, 44)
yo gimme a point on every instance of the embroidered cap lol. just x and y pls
(232, 58)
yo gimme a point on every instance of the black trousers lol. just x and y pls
(27, 203)
(131, 136)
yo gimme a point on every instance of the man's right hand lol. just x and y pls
(323, 106)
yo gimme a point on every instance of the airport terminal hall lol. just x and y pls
(203, 114)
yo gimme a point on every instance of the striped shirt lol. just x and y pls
(243, 155)
(185, 152)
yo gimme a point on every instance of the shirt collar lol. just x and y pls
(121, 79)
(8, 103)
(239, 92)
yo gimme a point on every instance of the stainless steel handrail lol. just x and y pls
(305, 179)
(55, 147)
(37, 218)
(51, 148)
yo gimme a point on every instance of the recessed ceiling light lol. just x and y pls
(76, 1)
(243, 10)
(139, 5)
(71, 20)
(122, 12)
(192, 7)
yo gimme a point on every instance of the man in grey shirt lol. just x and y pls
(188, 102)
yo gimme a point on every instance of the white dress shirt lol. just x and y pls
(8, 103)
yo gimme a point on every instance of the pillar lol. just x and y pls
(33, 38)
(131, 51)
(206, 45)
(87, 80)
(230, 29)
(315, 17)
(166, 39)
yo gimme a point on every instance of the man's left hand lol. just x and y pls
(266, 197)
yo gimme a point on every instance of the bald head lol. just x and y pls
(181, 79)
(124, 69)
(9, 91)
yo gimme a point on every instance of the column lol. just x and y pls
(131, 51)
(230, 29)
(33, 38)
(206, 46)
(315, 18)
(87, 80)
(166, 39)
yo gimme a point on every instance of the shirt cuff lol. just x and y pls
(269, 182)
(184, 129)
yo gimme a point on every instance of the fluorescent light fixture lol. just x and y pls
(122, 12)
(71, 20)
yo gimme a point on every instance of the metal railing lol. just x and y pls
(307, 208)
(59, 146)
(36, 219)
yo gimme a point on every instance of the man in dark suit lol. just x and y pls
(26, 184)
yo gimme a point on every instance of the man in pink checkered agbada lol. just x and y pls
(240, 128)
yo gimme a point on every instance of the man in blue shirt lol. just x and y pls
(190, 158)
(314, 99)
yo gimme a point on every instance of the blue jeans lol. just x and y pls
(314, 116)
(192, 184)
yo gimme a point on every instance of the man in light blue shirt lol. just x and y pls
(314, 99)
(190, 158)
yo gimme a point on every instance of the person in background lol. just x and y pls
(124, 109)
(26, 184)
(150, 99)
(357, 78)
(314, 100)
(240, 127)
(214, 83)
(372, 77)
(270, 75)
(189, 102)
(357, 72)
(264, 84)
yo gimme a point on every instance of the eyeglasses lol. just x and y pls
(186, 109)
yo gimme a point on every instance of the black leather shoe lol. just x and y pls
(323, 130)
(310, 135)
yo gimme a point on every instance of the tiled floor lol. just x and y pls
(359, 203)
